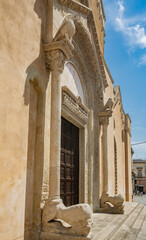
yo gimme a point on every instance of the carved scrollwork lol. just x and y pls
(74, 105)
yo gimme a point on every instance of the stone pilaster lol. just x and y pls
(104, 116)
(104, 121)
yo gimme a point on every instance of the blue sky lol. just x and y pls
(125, 54)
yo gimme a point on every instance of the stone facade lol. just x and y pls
(52, 65)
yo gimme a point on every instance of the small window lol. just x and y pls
(139, 173)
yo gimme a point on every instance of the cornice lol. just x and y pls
(75, 6)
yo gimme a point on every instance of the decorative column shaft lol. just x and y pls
(56, 55)
(56, 60)
(104, 120)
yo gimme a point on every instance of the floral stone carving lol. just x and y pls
(112, 204)
(74, 220)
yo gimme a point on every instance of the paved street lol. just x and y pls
(141, 199)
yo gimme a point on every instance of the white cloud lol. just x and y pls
(143, 60)
(132, 28)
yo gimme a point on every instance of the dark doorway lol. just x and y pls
(69, 169)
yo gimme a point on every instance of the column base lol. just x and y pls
(54, 236)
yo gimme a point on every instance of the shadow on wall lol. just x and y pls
(35, 96)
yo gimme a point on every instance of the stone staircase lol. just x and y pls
(130, 226)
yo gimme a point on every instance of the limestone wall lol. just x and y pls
(20, 60)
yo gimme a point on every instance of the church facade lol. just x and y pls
(65, 138)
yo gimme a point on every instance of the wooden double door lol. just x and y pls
(69, 169)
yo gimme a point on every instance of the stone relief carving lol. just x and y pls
(74, 220)
(55, 59)
(73, 104)
(61, 48)
(76, 6)
(66, 30)
(112, 204)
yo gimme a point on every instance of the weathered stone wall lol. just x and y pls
(21, 59)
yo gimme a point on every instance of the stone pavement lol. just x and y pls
(130, 226)
(141, 199)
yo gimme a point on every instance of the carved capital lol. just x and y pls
(55, 60)
(57, 53)
(104, 118)
(106, 112)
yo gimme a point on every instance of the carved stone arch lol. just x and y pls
(83, 41)
(78, 59)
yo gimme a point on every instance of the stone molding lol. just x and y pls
(74, 105)
(75, 6)
(102, 13)
(99, 53)
(117, 99)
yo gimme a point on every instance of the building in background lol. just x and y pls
(139, 169)
(63, 132)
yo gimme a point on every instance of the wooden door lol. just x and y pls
(69, 169)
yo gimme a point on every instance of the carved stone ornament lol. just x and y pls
(76, 6)
(74, 105)
(61, 48)
(106, 112)
(104, 118)
(74, 220)
(112, 204)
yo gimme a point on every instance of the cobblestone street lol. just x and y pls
(141, 199)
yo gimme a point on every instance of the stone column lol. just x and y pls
(56, 55)
(57, 60)
(104, 120)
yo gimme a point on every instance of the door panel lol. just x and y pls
(69, 169)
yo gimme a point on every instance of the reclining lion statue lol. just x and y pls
(73, 220)
(113, 204)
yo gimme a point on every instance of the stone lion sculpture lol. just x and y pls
(113, 204)
(67, 29)
(73, 220)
